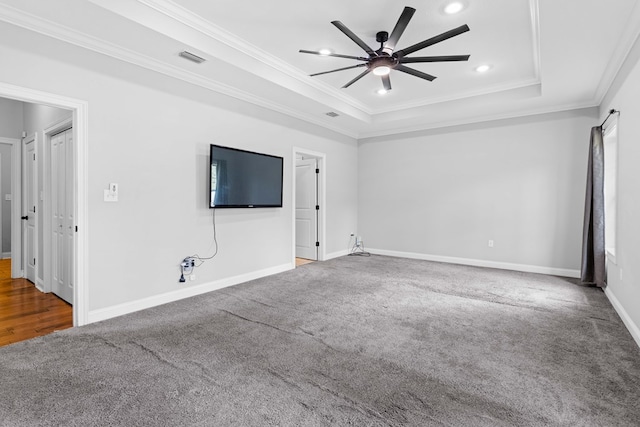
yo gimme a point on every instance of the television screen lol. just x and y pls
(244, 179)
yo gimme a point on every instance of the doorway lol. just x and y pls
(307, 208)
(75, 235)
(309, 179)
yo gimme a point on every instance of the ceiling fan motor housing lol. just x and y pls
(384, 60)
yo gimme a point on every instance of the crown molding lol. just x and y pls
(479, 119)
(183, 26)
(48, 28)
(630, 34)
(30, 22)
(492, 90)
(534, 10)
(177, 13)
(197, 23)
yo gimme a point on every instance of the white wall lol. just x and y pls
(5, 189)
(624, 274)
(443, 194)
(10, 118)
(10, 127)
(151, 135)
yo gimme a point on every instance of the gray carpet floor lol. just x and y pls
(359, 341)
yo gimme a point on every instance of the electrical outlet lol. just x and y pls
(490, 243)
(187, 266)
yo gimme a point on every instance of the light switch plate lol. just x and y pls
(110, 197)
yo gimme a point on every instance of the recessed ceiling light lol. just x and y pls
(382, 70)
(453, 8)
(325, 52)
(483, 68)
(382, 91)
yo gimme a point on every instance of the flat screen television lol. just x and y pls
(244, 179)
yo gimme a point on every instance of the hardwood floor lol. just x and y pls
(25, 312)
(302, 261)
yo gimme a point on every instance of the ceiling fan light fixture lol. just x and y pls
(382, 91)
(382, 70)
(483, 68)
(325, 52)
(453, 8)
(380, 62)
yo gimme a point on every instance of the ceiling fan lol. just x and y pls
(387, 58)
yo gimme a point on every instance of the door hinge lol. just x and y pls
(317, 207)
(317, 243)
(34, 261)
(76, 228)
(34, 209)
(34, 156)
(317, 170)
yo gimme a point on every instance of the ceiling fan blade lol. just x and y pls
(434, 59)
(353, 37)
(386, 82)
(338, 69)
(433, 40)
(364, 73)
(336, 55)
(416, 73)
(401, 25)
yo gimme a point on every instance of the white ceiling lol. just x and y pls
(546, 55)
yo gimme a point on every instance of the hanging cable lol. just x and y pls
(215, 243)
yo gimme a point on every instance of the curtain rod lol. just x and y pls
(611, 112)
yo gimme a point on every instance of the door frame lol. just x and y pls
(24, 210)
(322, 201)
(80, 120)
(1, 251)
(16, 204)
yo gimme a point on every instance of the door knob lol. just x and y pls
(26, 217)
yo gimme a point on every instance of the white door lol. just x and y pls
(306, 212)
(62, 220)
(29, 207)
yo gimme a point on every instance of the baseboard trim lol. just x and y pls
(40, 284)
(626, 319)
(336, 254)
(481, 263)
(6, 255)
(141, 304)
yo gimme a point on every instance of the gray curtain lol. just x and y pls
(593, 250)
